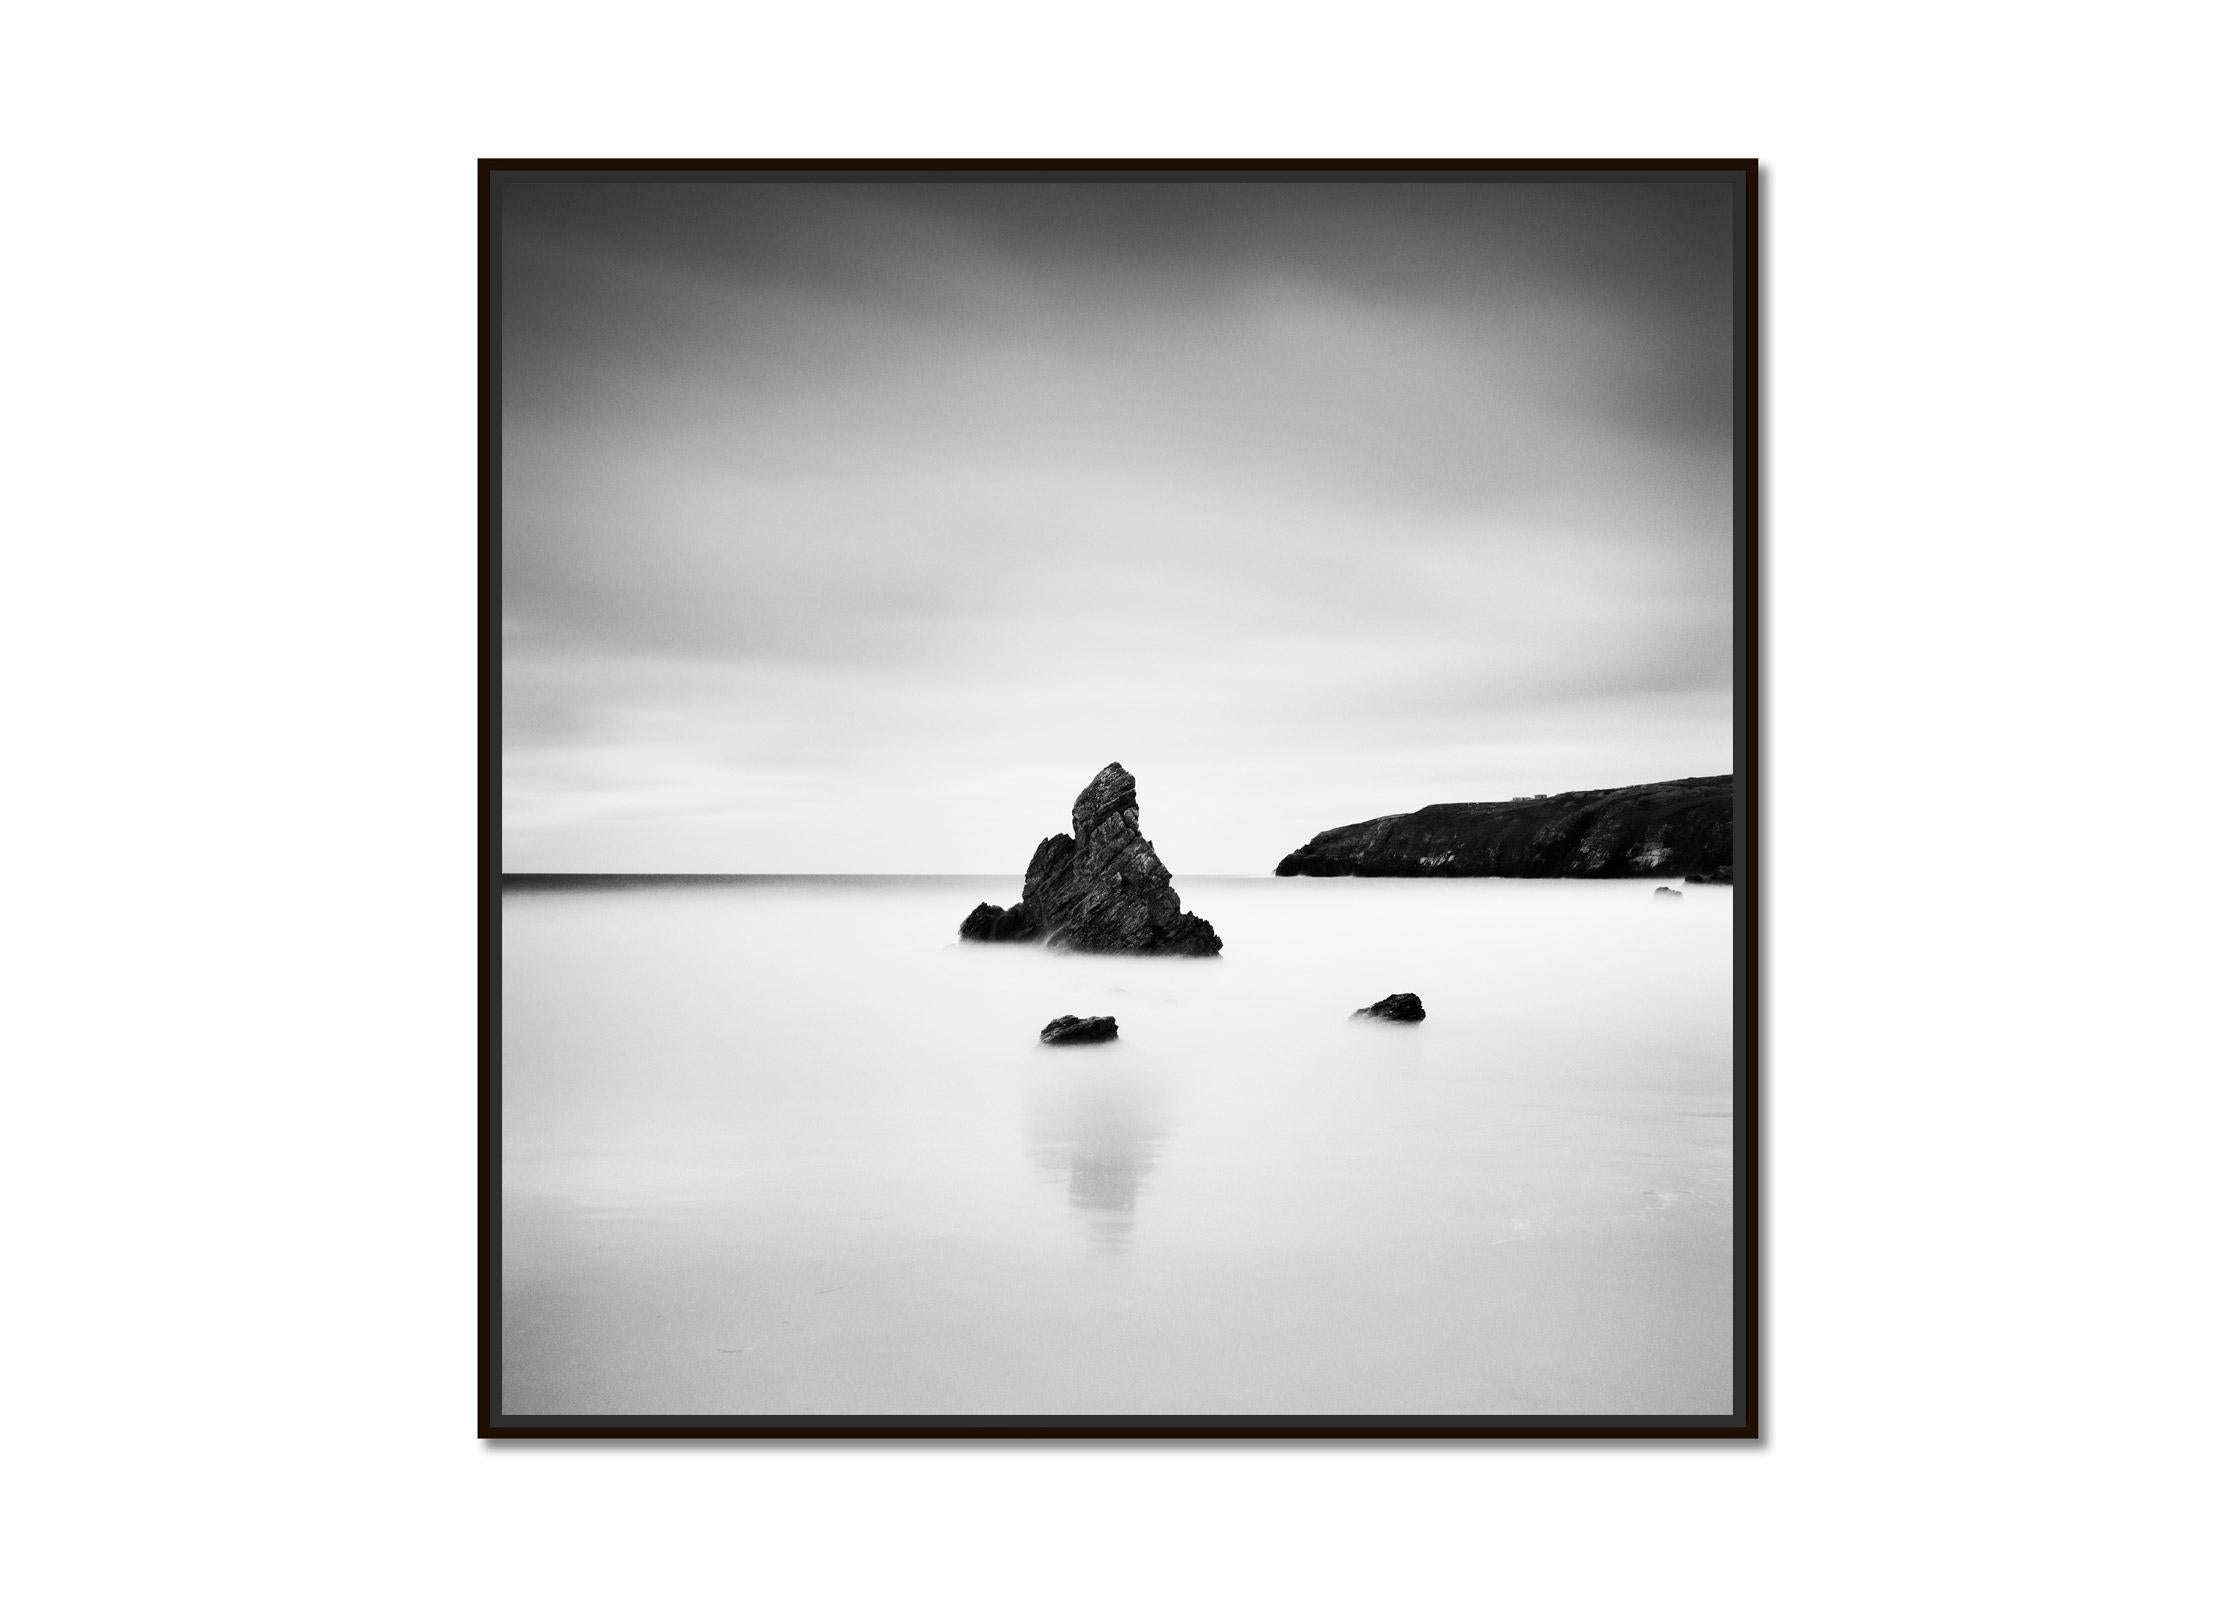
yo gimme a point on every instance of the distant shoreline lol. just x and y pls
(563, 881)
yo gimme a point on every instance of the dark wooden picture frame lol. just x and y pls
(1743, 1423)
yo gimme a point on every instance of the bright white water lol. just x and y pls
(783, 1146)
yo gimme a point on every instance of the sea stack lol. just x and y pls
(1100, 889)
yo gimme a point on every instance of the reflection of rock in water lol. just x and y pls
(1098, 1125)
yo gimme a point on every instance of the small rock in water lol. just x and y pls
(981, 922)
(1395, 1008)
(1675, 893)
(993, 925)
(1070, 1029)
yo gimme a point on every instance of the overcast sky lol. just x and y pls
(853, 527)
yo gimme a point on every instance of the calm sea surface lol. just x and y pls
(782, 1145)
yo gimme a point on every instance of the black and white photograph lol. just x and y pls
(1119, 798)
(1215, 800)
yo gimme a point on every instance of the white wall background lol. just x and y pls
(238, 652)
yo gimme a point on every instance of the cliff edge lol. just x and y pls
(1650, 830)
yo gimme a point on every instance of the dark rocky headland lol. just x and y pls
(1101, 889)
(1651, 830)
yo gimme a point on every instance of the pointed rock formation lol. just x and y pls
(1100, 889)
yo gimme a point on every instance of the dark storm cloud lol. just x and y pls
(812, 490)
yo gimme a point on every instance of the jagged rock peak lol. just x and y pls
(1111, 793)
(1101, 888)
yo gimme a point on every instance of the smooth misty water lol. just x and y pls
(780, 1145)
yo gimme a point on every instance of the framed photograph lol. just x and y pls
(1119, 799)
